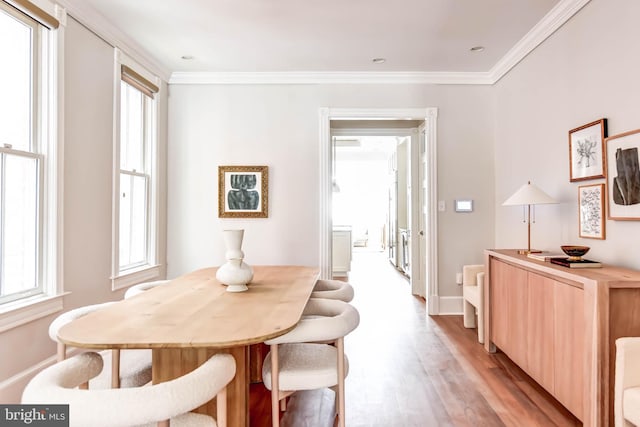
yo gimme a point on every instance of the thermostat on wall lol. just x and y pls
(465, 205)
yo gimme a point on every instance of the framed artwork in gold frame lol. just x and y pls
(243, 191)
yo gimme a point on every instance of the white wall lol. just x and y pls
(88, 148)
(585, 71)
(278, 126)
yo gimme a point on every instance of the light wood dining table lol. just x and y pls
(193, 317)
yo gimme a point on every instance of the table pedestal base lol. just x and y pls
(170, 363)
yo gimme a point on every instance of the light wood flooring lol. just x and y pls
(409, 369)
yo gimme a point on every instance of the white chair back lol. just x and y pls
(127, 406)
(129, 368)
(626, 404)
(322, 320)
(302, 359)
(333, 289)
(142, 287)
(71, 315)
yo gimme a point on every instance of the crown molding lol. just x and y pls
(553, 20)
(97, 24)
(346, 77)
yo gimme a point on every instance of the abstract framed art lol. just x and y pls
(623, 176)
(243, 191)
(591, 222)
(586, 151)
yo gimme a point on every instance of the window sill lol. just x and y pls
(135, 276)
(18, 313)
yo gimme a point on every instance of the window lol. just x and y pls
(20, 159)
(134, 179)
(135, 194)
(28, 166)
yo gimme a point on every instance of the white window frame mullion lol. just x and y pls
(51, 140)
(40, 255)
(35, 144)
(115, 214)
(150, 168)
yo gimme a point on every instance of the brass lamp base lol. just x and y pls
(528, 251)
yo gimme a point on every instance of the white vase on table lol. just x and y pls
(235, 273)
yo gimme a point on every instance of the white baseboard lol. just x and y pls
(11, 389)
(450, 305)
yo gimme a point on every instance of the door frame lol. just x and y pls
(429, 116)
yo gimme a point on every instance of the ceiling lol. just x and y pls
(227, 36)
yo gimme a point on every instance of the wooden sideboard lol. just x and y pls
(560, 325)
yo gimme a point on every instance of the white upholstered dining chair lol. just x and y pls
(333, 289)
(128, 368)
(626, 406)
(141, 287)
(158, 403)
(305, 357)
(473, 297)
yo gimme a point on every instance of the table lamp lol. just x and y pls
(528, 195)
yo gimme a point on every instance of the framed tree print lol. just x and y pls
(586, 151)
(591, 222)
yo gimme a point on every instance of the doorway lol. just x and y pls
(370, 203)
(422, 186)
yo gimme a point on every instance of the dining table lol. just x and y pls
(193, 317)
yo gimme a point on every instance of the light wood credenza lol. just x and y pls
(560, 325)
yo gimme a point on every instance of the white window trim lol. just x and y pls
(151, 270)
(26, 310)
(20, 312)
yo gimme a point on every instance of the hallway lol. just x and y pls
(408, 369)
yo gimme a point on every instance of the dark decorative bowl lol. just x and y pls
(575, 252)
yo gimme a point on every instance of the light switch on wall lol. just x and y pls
(441, 205)
(458, 278)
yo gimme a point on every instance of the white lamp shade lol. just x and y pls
(529, 194)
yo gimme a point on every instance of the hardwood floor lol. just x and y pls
(409, 369)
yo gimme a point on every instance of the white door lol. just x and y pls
(422, 197)
(416, 216)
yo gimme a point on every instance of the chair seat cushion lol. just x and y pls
(304, 367)
(631, 405)
(135, 369)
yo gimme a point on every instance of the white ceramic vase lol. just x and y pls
(235, 273)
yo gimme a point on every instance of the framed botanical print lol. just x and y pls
(243, 191)
(586, 151)
(591, 221)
